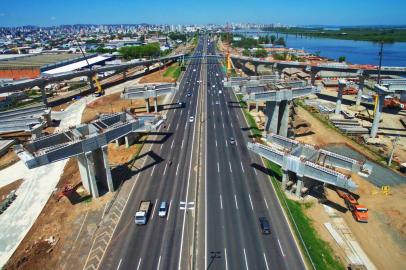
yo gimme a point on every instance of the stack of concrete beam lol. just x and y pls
(87, 142)
(349, 126)
(30, 120)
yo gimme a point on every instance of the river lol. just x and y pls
(356, 52)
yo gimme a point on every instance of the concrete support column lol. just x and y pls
(87, 173)
(360, 90)
(377, 116)
(284, 121)
(313, 77)
(341, 85)
(257, 106)
(147, 104)
(272, 115)
(299, 185)
(285, 179)
(130, 139)
(91, 83)
(156, 104)
(256, 69)
(109, 179)
(43, 94)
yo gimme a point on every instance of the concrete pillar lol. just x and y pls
(156, 104)
(43, 94)
(285, 179)
(284, 121)
(147, 104)
(130, 139)
(341, 85)
(272, 115)
(257, 106)
(109, 179)
(87, 173)
(360, 90)
(91, 83)
(256, 69)
(313, 77)
(377, 116)
(299, 185)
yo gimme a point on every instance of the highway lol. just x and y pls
(236, 194)
(161, 243)
(232, 191)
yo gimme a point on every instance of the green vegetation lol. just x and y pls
(173, 71)
(316, 251)
(261, 53)
(386, 35)
(177, 36)
(133, 52)
(341, 59)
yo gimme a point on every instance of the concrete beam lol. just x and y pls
(341, 85)
(360, 90)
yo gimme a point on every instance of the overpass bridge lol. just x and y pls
(304, 164)
(87, 142)
(42, 81)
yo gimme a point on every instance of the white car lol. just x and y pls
(191, 119)
(163, 209)
(217, 74)
(220, 92)
(194, 70)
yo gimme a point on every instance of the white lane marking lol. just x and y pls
(266, 262)
(169, 126)
(177, 126)
(231, 123)
(214, 123)
(225, 257)
(235, 200)
(266, 204)
(218, 167)
(169, 209)
(183, 140)
(159, 262)
(229, 164)
(166, 165)
(139, 263)
(280, 246)
(221, 202)
(223, 124)
(119, 263)
(242, 167)
(153, 210)
(255, 171)
(252, 206)
(216, 142)
(172, 144)
(160, 148)
(177, 168)
(246, 262)
(152, 171)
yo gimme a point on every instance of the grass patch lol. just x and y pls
(317, 252)
(173, 71)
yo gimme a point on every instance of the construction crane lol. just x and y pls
(228, 58)
(99, 92)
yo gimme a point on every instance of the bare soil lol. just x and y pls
(8, 159)
(5, 190)
(157, 77)
(384, 236)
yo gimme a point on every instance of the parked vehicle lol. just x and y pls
(359, 212)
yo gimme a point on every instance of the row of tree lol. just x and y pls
(142, 51)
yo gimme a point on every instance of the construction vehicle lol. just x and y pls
(141, 216)
(394, 103)
(359, 212)
(99, 92)
(350, 91)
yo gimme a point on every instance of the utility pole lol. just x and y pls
(395, 142)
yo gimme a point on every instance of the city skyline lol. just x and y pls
(41, 13)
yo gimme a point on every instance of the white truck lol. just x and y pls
(141, 216)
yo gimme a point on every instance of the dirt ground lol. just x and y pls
(42, 246)
(157, 77)
(384, 236)
(121, 155)
(4, 191)
(8, 159)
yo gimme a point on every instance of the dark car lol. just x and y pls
(264, 224)
(189, 94)
(232, 140)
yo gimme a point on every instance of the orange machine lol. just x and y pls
(350, 91)
(394, 103)
(359, 212)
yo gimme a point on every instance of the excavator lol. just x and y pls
(99, 92)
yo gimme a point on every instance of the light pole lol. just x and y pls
(380, 63)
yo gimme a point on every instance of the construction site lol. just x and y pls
(364, 221)
(63, 206)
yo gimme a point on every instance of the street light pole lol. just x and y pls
(380, 63)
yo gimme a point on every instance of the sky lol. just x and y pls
(289, 12)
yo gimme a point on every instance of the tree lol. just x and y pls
(149, 50)
(280, 41)
(273, 38)
(261, 53)
(341, 59)
(246, 52)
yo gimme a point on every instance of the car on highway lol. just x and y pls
(231, 140)
(191, 119)
(163, 209)
(264, 224)
(217, 102)
(189, 94)
(220, 92)
(194, 70)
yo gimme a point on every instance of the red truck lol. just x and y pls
(359, 212)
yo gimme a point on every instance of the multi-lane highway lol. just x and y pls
(163, 243)
(199, 156)
(236, 194)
